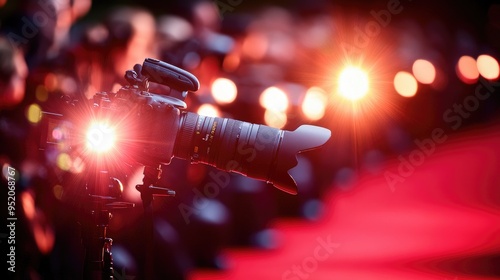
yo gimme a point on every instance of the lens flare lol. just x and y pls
(100, 137)
(353, 83)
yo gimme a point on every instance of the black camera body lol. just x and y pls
(147, 123)
(149, 120)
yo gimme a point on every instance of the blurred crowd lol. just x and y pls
(55, 50)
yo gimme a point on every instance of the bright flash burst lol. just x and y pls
(353, 83)
(100, 137)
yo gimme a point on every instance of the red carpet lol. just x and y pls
(442, 222)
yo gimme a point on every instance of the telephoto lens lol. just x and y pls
(257, 151)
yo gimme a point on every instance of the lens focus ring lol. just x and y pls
(184, 141)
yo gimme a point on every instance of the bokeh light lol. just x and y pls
(51, 82)
(78, 165)
(34, 113)
(28, 205)
(467, 69)
(255, 45)
(57, 134)
(314, 104)
(231, 62)
(58, 190)
(424, 71)
(405, 84)
(488, 67)
(64, 161)
(41, 93)
(353, 83)
(224, 91)
(209, 110)
(276, 119)
(274, 99)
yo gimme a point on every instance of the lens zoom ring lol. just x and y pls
(184, 142)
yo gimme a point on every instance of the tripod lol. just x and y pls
(102, 199)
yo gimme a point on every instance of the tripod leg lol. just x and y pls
(107, 270)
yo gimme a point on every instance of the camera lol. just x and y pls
(152, 128)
